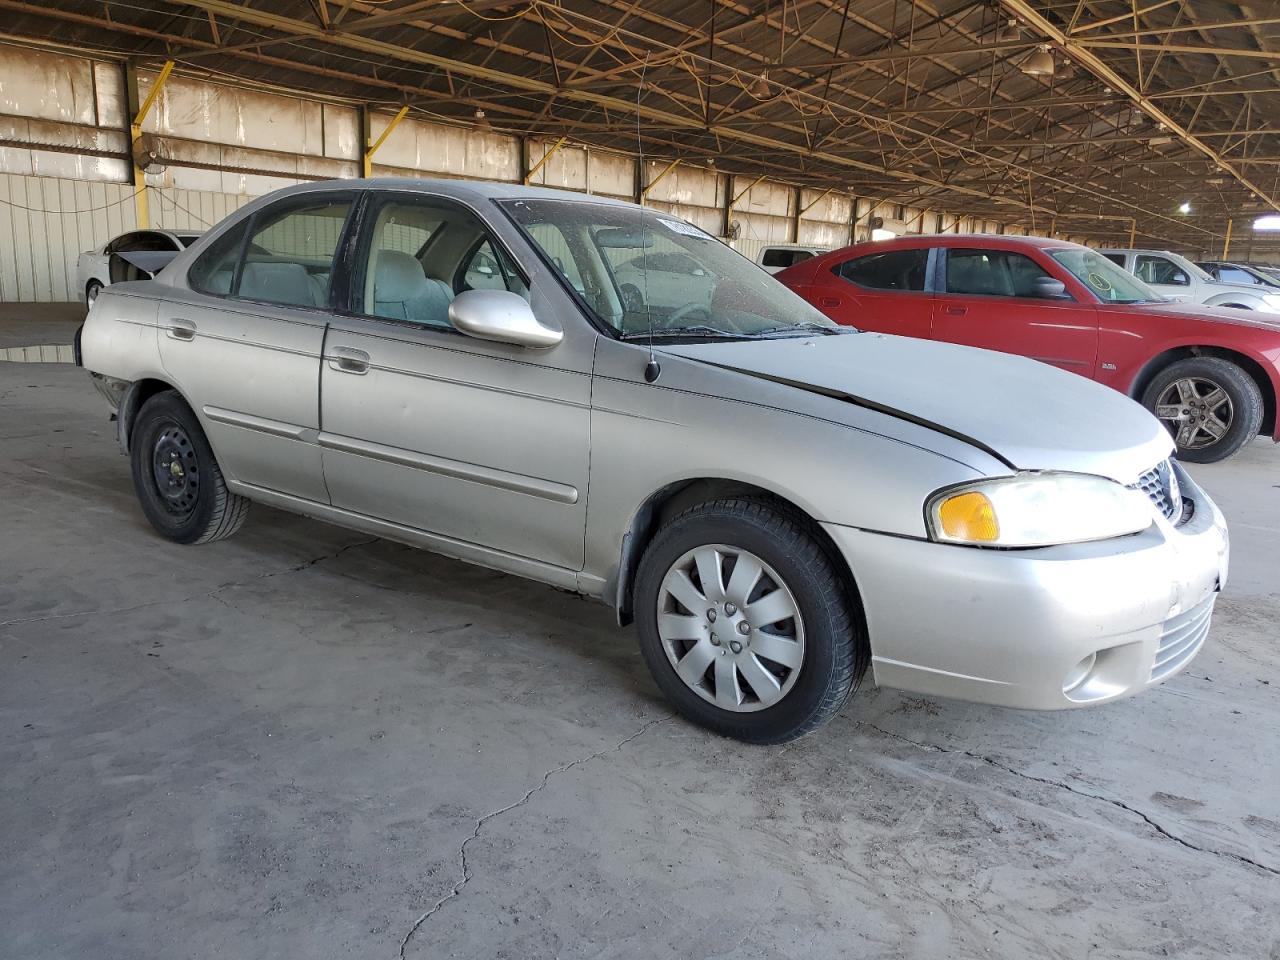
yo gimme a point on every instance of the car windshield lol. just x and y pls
(1106, 281)
(639, 270)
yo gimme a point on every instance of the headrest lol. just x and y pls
(397, 277)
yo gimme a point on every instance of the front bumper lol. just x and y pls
(1046, 628)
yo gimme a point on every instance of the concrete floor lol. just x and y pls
(300, 743)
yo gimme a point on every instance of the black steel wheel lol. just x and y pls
(177, 478)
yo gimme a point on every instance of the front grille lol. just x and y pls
(1181, 638)
(1160, 484)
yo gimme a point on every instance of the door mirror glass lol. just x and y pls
(503, 316)
(1047, 288)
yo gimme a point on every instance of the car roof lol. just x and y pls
(919, 241)
(458, 189)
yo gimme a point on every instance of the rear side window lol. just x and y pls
(215, 270)
(992, 273)
(891, 270)
(1235, 275)
(287, 260)
(1116, 258)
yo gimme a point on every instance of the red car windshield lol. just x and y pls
(1106, 281)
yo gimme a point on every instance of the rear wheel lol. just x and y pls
(176, 477)
(746, 624)
(1209, 405)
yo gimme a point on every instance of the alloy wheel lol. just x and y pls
(731, 628)
(1197, 411)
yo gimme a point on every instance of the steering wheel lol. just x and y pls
(687, 311)
(632, 300)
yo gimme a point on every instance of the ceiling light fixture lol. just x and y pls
(760, 88)
(1039, 63)
(1185, 208)
(482, 122)
(1010, 31)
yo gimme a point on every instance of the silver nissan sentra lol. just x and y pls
(607, 399)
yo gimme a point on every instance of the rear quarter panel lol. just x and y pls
(119, 338)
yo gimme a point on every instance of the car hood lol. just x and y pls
(1199, 311)
(1031, 415)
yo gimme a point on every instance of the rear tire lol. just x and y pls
(176, 476)
(1211, 407)
(767, 657)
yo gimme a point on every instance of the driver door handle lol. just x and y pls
(954, 311)
(348, 360)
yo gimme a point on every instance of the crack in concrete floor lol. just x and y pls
(529, 794)
(206, 595)
(1062, 785)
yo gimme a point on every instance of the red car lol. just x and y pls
(1210, 374)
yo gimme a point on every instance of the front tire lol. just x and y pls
(1211, 407)
(745, 622)
(176, 476)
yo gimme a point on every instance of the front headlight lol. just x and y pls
(1037, 510)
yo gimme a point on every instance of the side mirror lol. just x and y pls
(1047, 288)
(1179, 279)
(503, 316)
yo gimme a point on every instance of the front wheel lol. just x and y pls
(1210, 405)
(745, 623)
(176, 477)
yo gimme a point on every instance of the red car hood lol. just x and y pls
(1199, 311)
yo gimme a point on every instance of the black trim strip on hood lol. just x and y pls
(861, 402)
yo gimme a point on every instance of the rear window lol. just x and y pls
(891, 270)
(784, 258)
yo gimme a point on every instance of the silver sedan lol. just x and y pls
(778, 503)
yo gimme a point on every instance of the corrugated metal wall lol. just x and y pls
(230, 144)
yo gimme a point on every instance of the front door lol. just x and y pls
(245, 340)
(989, 299)
(475, 441)
(1162, 275)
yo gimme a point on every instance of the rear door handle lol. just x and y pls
(348, 360)
(179, 329)
(955, 311)
(828, 303)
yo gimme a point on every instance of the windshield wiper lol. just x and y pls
(696, 331)
(804, 329)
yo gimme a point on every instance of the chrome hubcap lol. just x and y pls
(730, 628)
(1196, 411)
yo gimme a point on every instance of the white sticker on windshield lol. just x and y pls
(688, 229)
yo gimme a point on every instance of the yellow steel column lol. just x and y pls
(1226, 244)
(135, 135)
(366, 166)
(546, 155)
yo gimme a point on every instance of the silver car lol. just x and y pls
(778, 503)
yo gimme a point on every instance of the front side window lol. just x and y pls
(993, 273)
(891, 270)
(1236, 275)
(420, 254)
(639, 271)
(1160, 270)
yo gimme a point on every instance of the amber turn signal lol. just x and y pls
(969, 516)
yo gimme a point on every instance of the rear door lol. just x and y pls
(243, 343)
(885, 291)
(988, 299)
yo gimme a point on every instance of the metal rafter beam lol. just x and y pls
(1108, 75)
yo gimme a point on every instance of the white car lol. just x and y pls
(1177, 278)
(93, 267)
(779, 256)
